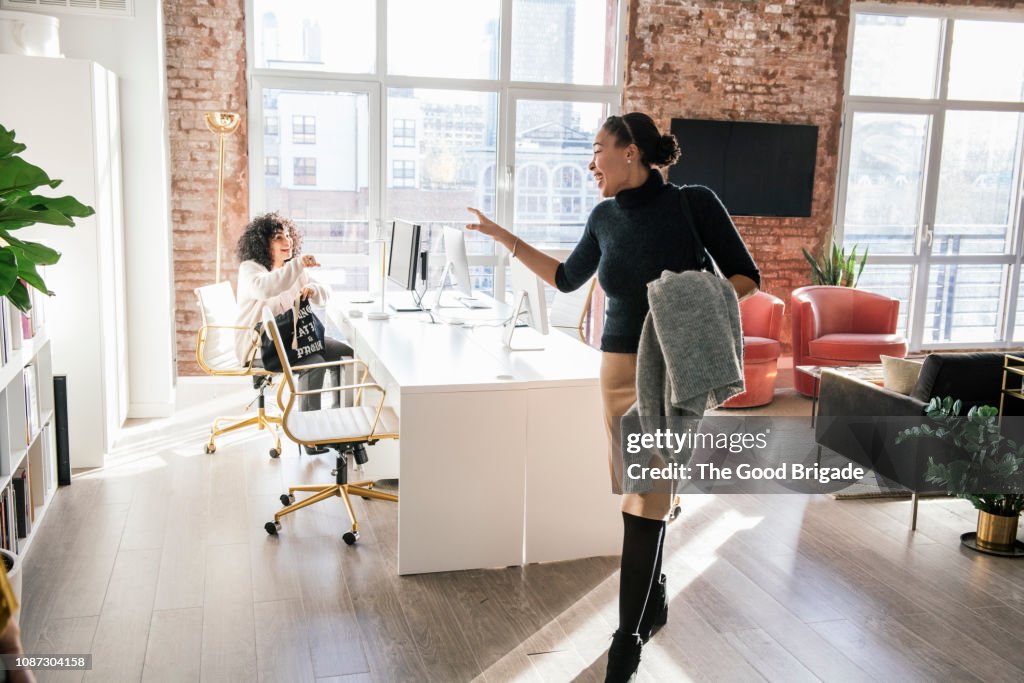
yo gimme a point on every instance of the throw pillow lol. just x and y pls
(900, 374)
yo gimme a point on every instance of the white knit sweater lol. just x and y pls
(278, 289)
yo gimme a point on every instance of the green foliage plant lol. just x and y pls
(20, 207)
(990, 457)
(836, 267)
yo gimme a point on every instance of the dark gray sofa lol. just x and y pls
(860, 420)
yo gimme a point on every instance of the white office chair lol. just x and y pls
(215, 353)
(569, 310)
(346, 430)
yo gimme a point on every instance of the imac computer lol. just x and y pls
(527, 301)
(457, 265)
(405, 262)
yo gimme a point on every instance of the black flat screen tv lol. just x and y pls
(756, 169)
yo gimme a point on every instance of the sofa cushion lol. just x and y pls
(900, 374)
(857, 348)
(974, 378)
(760, 349)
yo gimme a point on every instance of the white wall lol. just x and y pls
(134, 50)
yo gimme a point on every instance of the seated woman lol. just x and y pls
(273, 274)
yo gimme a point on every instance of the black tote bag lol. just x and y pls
(302, 334)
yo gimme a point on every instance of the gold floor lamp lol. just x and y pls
(223, 123)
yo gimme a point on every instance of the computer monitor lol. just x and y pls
(528, 302)
(405, 254)
(457, 260)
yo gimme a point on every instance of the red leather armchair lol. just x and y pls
(841, 326)
(761, 318)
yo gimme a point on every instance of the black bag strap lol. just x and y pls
(704, 259)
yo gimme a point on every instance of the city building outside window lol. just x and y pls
(304, 130)
(270, 125)
(304, 171)
(403, 173)
(272, 166)
(404, 133)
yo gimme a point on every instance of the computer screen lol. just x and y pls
(455, 255)
(524, 280)
(405, 254)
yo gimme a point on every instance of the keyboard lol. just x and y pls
(472, 303)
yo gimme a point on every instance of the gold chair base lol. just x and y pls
(323, 492)
(261, 420)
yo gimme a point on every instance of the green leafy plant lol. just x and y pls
(20, 208)
(992, 460)
(836, 267)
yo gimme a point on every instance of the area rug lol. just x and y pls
(872, 486)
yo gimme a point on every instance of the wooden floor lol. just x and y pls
(160, 568)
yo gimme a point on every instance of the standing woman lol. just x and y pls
(630, 238)
(272, 273)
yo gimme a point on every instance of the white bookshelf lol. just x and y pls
(27, 442)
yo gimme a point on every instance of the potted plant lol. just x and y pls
(20, 208)
(990, 475)
(836, 267)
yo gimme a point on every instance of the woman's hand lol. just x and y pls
(485, 224)
(306, 292)
(309, 261)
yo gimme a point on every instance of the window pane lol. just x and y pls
(893, 281)
(883, 186)
(895, 56)
(975, 201)
(315, 35)
(1018, 325)
(564, 41)
(450, 167)
(456, 39)
(987, 61)
(554, 191)
(964, 303)
(322, 185)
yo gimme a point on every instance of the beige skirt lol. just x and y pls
(618, 393)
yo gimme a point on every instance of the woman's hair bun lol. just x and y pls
(667, 152)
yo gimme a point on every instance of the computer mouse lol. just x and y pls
(355, 313)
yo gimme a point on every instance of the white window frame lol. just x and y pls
(377, 82)
(936, 107)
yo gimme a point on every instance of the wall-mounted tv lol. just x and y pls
(756, 169)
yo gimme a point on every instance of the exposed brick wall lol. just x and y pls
(205, 72)
(743, 60)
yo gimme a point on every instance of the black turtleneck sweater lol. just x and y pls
(630, 239)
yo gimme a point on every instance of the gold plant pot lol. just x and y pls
(996, 532)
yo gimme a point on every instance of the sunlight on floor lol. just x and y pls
(699, 550)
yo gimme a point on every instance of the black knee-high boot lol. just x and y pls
(641, 542)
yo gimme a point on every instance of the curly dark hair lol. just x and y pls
(254, 244)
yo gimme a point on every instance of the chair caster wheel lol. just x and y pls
(210, 449)
(287, 499)
(676, 511)
(275, 453)
(272, 528)
(350, 537)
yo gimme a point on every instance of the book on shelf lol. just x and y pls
(9, 534)
(22, 503)
(12, 318)
(32, 416)
(4, 343)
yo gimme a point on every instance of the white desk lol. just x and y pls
(502, 454)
